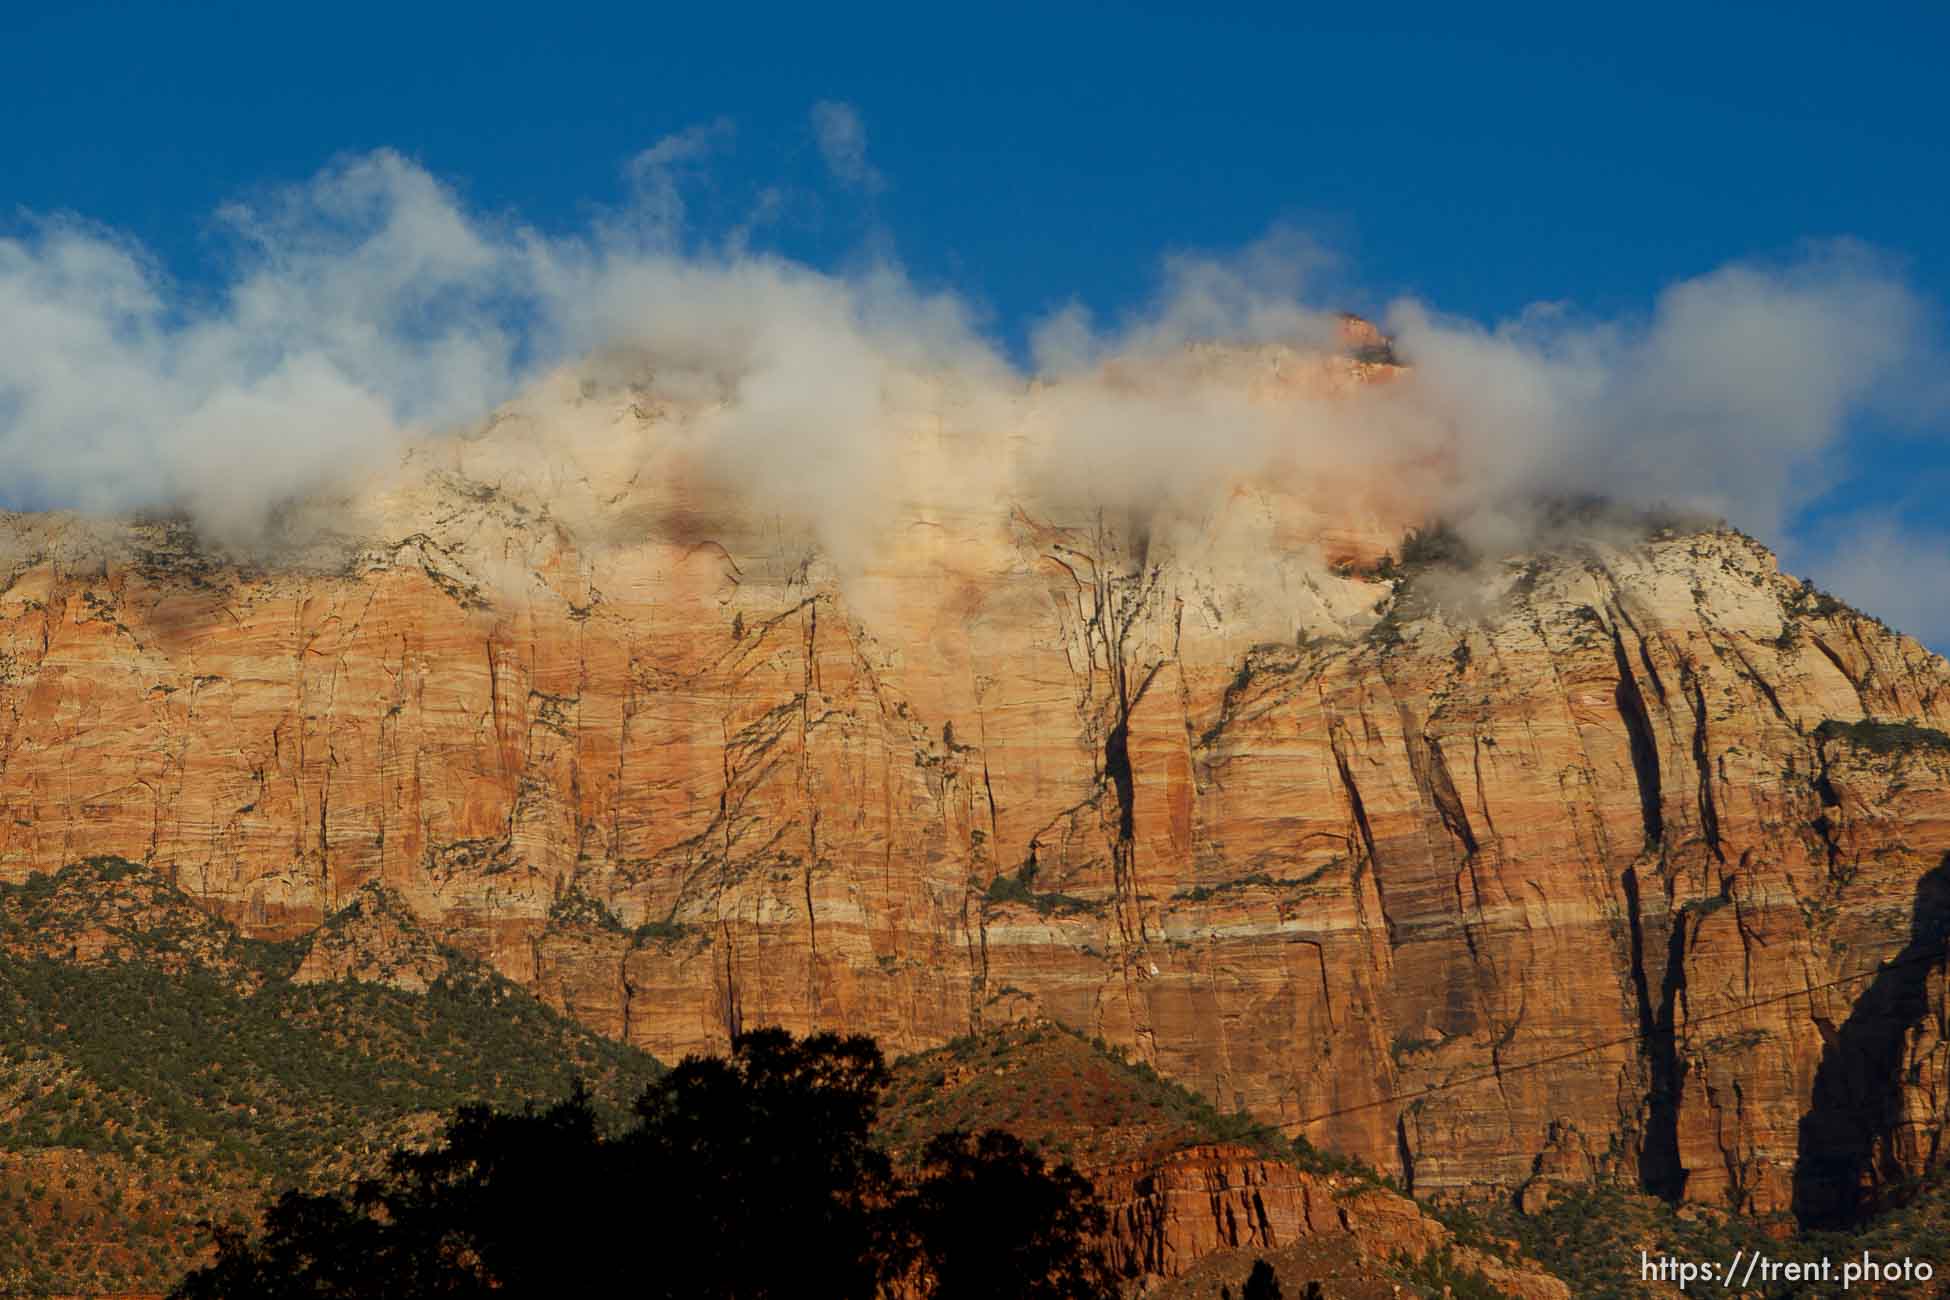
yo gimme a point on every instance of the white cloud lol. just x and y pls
(362, 303)
(1734, 397)
(656, 177)
(1257, 295)
(369, 305)
(842, 138)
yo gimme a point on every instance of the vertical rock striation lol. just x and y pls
(1572, 865)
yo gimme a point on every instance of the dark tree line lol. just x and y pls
(751, 1177)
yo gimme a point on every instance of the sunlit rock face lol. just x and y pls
(1167, 1215)
(972, 721)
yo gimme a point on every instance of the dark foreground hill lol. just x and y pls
(158, 1070)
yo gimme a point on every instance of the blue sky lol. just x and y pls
(1028, 156)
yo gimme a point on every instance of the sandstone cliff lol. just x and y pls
(1189, 1191)
(1489, 876)
(1215, 1200)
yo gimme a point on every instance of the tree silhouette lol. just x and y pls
(1262, 1283)
(751, 1177)
(497, 1208)
(777, 1190)
(987, 1219)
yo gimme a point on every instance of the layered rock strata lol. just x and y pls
(1566, 865)
(1165, 1216)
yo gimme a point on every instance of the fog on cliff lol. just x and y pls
(370, 307)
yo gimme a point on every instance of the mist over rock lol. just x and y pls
(1487, 865)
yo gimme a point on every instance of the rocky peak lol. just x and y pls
(375, 937)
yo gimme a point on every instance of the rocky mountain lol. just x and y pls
(1618, 856)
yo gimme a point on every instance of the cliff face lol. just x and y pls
(1210, 1200)
(1524, 881)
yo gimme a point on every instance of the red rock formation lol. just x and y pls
(1166, 1215)
(375, 938)
(1552, 848)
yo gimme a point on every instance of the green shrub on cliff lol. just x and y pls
(1019, 888)
(1883, 737)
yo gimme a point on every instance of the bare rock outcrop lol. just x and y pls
(1203, 1201)
(376, 938)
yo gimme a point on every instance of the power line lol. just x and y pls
(1574, 1053)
